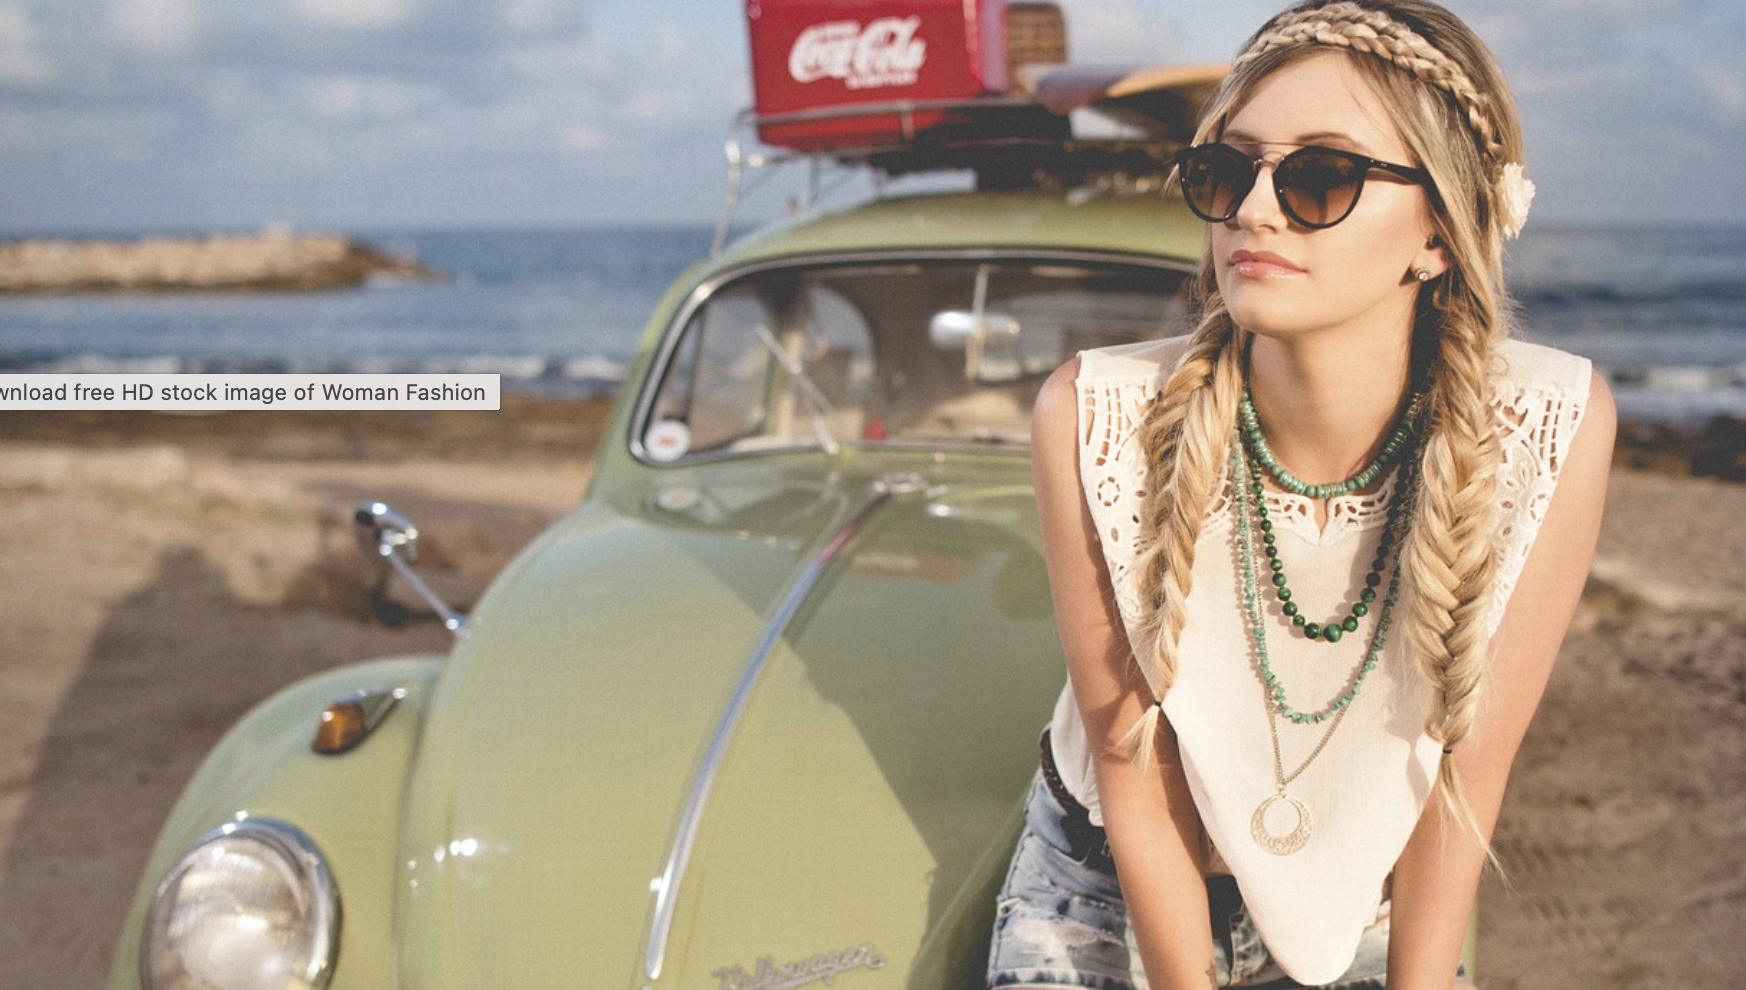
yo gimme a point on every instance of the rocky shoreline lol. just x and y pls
(1716, 449)
(272, 260)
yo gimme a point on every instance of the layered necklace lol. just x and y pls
(1399, 441)
(1251, 517)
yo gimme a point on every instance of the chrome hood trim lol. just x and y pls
(666, 886)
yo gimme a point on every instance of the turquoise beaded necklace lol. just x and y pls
(1399, 439)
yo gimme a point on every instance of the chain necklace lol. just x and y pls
(1250, 493)
(1298, 837)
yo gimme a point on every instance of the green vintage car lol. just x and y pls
(762, 710)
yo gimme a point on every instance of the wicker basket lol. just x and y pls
(1035, 33)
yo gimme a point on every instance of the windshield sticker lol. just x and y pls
(825, 966)
(668, 440)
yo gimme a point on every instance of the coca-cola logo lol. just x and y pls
(886, 52)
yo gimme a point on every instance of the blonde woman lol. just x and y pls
(1312, 563)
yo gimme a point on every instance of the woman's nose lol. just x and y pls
(1260, 207)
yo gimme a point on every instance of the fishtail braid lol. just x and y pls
(1448, 558)
(1186, 434)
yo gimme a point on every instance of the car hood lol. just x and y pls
(736, 726)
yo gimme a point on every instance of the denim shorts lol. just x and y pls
(1061, 923)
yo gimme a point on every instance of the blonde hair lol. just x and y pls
(1453, 109)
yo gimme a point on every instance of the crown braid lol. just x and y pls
(1348, 25)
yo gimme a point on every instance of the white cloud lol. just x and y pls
(349, 13)
(582, 137)
(541, 16)
(1726, 88)
(651, 106)
(548, 64)
(1546, 80)
(358, 98)
(163, 27)
(229, 95)
(22, 58)
(1623, 10)
(104, 136)
(18, 132)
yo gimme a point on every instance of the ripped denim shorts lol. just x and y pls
(1060, 921)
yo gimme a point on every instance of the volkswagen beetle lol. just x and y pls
(759, 712)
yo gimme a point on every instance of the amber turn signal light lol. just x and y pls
(348, 720)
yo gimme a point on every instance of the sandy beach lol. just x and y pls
(160, 574)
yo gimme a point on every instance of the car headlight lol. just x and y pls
(251, 907)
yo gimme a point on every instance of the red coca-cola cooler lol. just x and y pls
(832, 55)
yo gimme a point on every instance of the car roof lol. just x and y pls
(1147, 226)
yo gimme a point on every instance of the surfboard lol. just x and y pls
(1162, 100)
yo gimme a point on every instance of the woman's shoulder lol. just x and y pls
(1537, 367)
(1144, 360)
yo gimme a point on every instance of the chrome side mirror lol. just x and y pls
(989, 342)
(957, 329)
(389, 536)
(382, 532)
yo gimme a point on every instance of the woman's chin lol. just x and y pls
(1269, 321)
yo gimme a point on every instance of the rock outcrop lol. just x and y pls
(268, 261)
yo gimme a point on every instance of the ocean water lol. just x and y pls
(1662, 311)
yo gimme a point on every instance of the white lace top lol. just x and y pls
(1366, 788)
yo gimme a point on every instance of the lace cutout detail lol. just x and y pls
(1536, 423)
(1347, 514)
(1112, 471)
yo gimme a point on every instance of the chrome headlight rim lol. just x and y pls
(295, 850)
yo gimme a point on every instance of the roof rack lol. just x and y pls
(1007, 142)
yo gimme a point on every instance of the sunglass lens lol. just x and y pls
(1319, 188)
(1215, 178)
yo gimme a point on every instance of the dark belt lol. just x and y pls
(1087, 843)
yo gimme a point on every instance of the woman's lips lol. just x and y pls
(1261, 264)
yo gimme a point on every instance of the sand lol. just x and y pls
(159, 574)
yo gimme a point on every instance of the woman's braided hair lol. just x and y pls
(1454, 111)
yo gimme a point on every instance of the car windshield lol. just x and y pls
(922, 352)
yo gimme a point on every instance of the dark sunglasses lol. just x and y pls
(1316, 187)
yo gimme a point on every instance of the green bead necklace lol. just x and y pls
(1399, 439)
(1334, 629)
(1249, 501)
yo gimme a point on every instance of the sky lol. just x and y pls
(137, 115)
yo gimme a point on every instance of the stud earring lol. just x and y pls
(1422, 274)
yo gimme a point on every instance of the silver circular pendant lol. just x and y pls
(1290, 842)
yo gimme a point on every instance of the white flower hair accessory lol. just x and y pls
(1514, 195)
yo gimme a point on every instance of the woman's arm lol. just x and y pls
(1437, 874)
(1154, 830)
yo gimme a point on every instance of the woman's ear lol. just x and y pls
(1430, 262)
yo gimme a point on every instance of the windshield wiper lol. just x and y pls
(821, 406)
